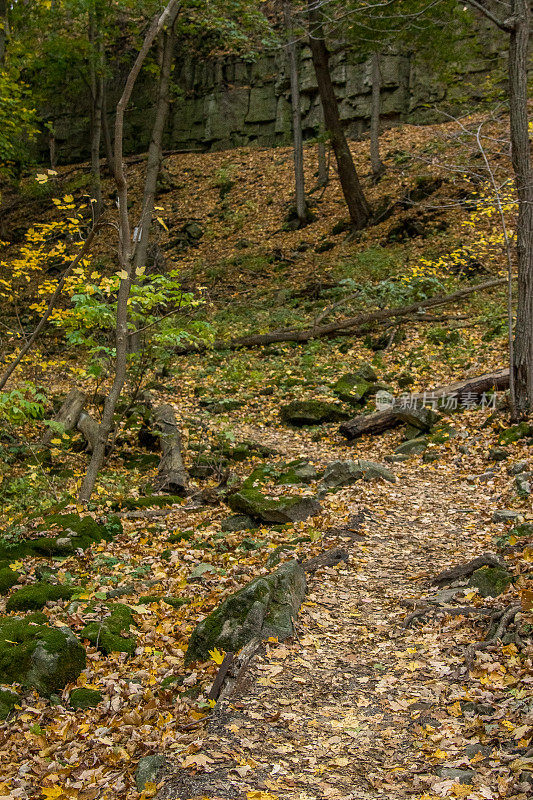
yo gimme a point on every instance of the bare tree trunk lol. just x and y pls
(4, 29)
(125, 257)
(155, 153)
(68, 415)
(351, 188)
(323, 159)
(521, 158)
(97, 91)
(172, 476)
(378, 167)
(292, 57)
(108, 144)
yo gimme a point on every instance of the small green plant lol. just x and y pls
(22, 405)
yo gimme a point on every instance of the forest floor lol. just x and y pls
(356, 705)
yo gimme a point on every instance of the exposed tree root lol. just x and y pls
(506, 619)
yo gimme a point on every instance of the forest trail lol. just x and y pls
(357, 706)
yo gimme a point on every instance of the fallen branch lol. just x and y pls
(452, 611)
(471, 389)
(465, 570)
(332, 328)
(328, 559)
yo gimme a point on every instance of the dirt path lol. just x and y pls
(357, 706)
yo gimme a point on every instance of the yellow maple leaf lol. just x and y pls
(217, 656)
(256, 795)
(52, 792)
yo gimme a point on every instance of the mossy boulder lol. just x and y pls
(85, 698)
(37, 595)
(76, 532)
(8, 578)
(238, 522)
(152, 501)
(515, 433)
(38, 656)
(497, 454)
(110, 635)
(490, 581)
(523, 483)
(311, 412)
(420, 417)
(525, 529)
(413, 446)
(291, 473)
(354, 387)
(149, 770)
(344, 473)
(265, 607)
(8, 701)
(273, 510)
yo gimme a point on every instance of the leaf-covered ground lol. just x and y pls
(357, 705)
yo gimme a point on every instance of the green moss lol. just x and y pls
(35, 596)
(8, 700)
(85, 698)
(8, 578)
(38, 656)
(311, 412)
(525, 529)
(109, 634)
(515, 433)
(491, 581)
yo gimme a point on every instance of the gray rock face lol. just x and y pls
(265, 607)
(273, 511)
(465, 776)
(413, 446)
(421, 418)
(523, 483)
(344, 473)
(149, 770)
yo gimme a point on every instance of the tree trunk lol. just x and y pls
(378, 168)
(172, 476)
(292, 58)
(351, 188)
(125, 257)
(97, 91)
(323, 160)
(68, 415)
(108, 144)
(521, 158)
(4, 29)
(155, 151)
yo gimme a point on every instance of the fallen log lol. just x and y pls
(332, 328)
(330, 558)
(465, 570)
(172, 476)
(67, 416)
(469, 391)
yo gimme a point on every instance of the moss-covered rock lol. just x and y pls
(311, 412)
(110, 634)
(354, 387)
(85, 698)
(273, 510)
(8, 578)
(77, 532)
(291, 473)
(180, 536)
(8, 701)
(265, 607)
(515, 433)
(523, 483)
(149, 770)
(238, 522)
(344, 473)
(413, 446)
(38, 656)
(37, 595)
(490, 581)
(525, 529)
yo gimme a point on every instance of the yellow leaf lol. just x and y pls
(440, 754)
(150, 789)
(161, 222)
(52, 792)
(55, 441)
(16, 565)
(217, 656)
(68, 198)
(256, 795)
(123, 275)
